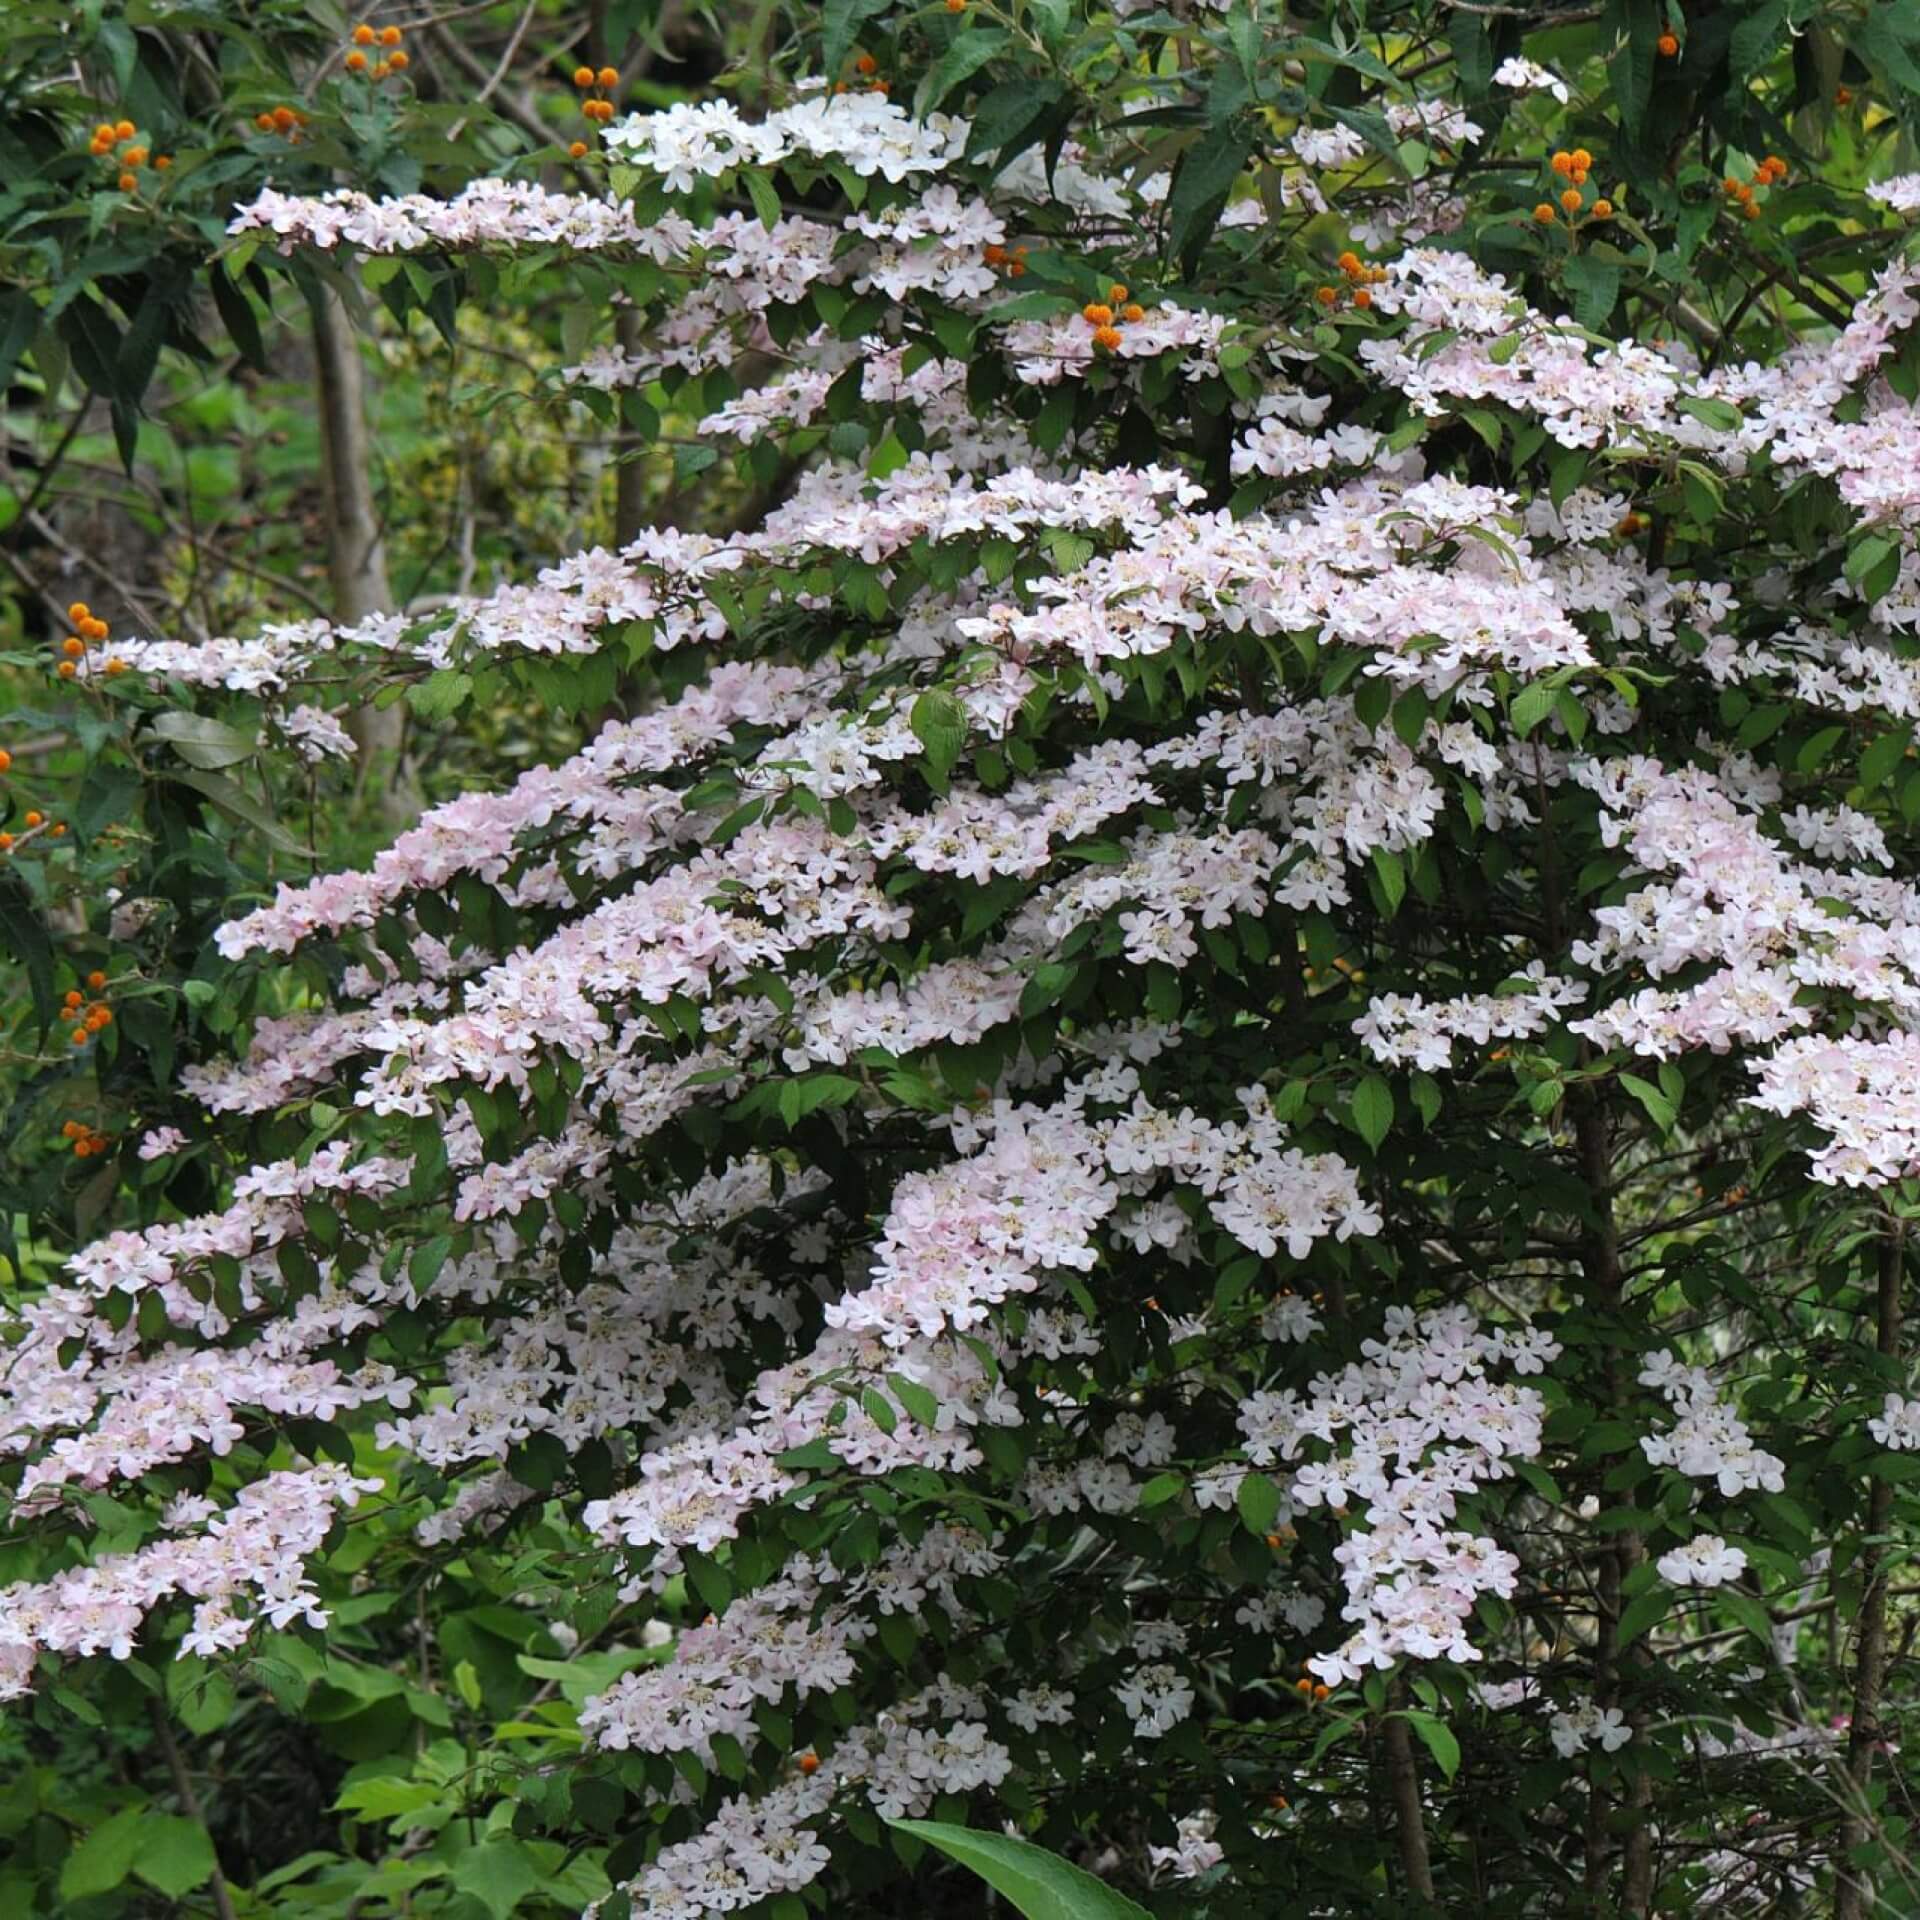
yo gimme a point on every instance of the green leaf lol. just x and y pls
(1040, 1884)
(1531, 705)
(234, 800)
(174, 1855)
(204, 743)
(1259, 1503)
(440, 694)
(1202, 182)
(1884, 755)
(1439, 1737)
(940, 725)
(105, 1857)
(25, 936)
(961, 61)
(499, 1873)
(766, 202)
(1659, 1108)
(1595, 285)
(1372, 1109)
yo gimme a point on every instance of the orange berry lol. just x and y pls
(1348, 262)
(583, 77)
(389, 36)
(1578, 176)
(993, 256)
(1133, 311)
(94, 629)
(96, 980)
(1325, 295)
(609, 78)
(364, 35)
(1016, 269)
(1321, 1692)
(104, 132)
(1571, 199)
(356, 62)
(1563, 163)
(1843, 96)
(578, 150)
(1106, 338)
(956, 6)
(129, 182)
(100, 1016)
(72, 1130)
(79, 1036)
(124, 130)
(35, 819)
(79, 611)
(881, 87)
(1544, 213)
(1752, 212)
(1273, 1540)
(1277, 1801)
(1362, 298)
(809, 1762)
(67, 669)
(1581, 157)
(264, 121)
(6, 760)
(1096, 315)
(1668, 45)
(72, 997)
(400, 61)
(135, 157)
(1303, 1686)
(284, 117)
(1603, 209)
(381, 70)
(1117, 294)
(73, 648)
(1731, 184)
(866, 64)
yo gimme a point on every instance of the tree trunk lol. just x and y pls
(356, 551)
(1853, 1892)
(1403, 1789)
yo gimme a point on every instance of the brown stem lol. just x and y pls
(1403, 1789)
(189, 1804)
(356, 547)
(1853, 1895)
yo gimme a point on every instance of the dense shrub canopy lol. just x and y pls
(1196, 1134)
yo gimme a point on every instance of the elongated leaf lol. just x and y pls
(25, 936)
(1040, 1884)
(1207, 172)
(203, 743)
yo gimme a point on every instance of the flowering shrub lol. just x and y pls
(1203, 1140)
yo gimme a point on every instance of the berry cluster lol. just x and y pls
(1771, 172)
(1360, 278)
(1012, 260)
(598, 84)
(867, 67)
(390, 57)
(287, 122)
(1106, 317)
(87, 632)
(118, 141)
(87, 1141)
(1573, 168)
(86, 1017)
